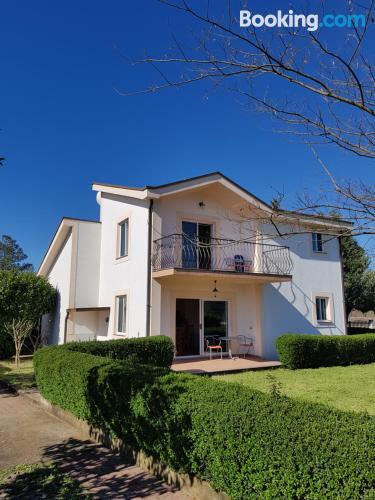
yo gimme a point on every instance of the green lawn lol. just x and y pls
(38, 481)
(22, 378)
(345, 388)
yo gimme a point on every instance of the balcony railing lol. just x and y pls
(178, 251)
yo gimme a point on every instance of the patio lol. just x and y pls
(214, 366)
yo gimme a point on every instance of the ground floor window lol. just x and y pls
(323, 308)
(121, 310)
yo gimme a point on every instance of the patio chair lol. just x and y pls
(214, 344)
(246, 342)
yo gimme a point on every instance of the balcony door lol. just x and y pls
(196, 249)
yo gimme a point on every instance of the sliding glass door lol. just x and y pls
(199, 321)
(215, 321)
(188, 327)
(196, 245)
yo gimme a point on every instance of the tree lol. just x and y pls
(19, 330)
(12, 256)
(23, 295)
(320, 87)
(359, 281)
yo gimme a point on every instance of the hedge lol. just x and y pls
(157, 350)
(312, 351)
(246, 443)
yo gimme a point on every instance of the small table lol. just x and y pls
(229, 340)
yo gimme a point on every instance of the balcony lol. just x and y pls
(181, 253)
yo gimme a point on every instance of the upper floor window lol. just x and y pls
(121, 306)
(123, 239)
(317, 242)
(322, 309)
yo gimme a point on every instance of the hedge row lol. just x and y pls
(312, 351)
(244, 442)
(157, 350)
(355, 330)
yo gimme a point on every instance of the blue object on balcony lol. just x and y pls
(239, 263)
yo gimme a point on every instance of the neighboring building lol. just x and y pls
(190, 259)
(358, 319)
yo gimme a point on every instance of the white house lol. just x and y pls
(192, 259)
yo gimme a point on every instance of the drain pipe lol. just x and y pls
(149, 243)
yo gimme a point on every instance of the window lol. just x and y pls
(121, 303)
(317, 242)
(123, 238)
(322, 311)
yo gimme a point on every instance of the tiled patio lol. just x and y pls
(201, 366)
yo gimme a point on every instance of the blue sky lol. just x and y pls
(64, 126)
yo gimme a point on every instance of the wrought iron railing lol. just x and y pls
(179, 251)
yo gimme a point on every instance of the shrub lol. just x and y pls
(244, 442)
(312, 351)
(23, 295)
(63, 377)
(157, 350)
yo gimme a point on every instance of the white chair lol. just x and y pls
(246, 342)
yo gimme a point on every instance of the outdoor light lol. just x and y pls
(215, 290)
(202, 204)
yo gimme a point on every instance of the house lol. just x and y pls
(358, 319)
(192, 259)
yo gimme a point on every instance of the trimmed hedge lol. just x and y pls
(157, 350)
(244, 442)
(312, 351)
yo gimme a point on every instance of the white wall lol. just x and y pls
(128, 275)
(290, 307)
(87, 264)
(88, 325)
(59, 277)
(170, 211)
(243, 305)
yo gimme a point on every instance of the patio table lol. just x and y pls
(229, 340)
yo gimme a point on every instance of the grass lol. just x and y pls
(349, 388)
(38, 481)
(20, 379)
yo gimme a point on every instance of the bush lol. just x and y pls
(244, 442)
(64, 377)
(312, 351)
(157, 350)
(22, 295)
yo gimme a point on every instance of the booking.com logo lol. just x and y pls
(309, 21)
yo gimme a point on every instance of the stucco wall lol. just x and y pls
(217, 210)
(87, 265)
(59, 277)
(289, 307)
(128, 275)
(243, 305)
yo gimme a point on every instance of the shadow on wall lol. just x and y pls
(280, 315)
(51, 322)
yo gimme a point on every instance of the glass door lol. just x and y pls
(196, 245)
(189, 245)
(215, 322)
(188, 327)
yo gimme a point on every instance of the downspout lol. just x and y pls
(149, 276)
(66, 325)
(343, 288)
